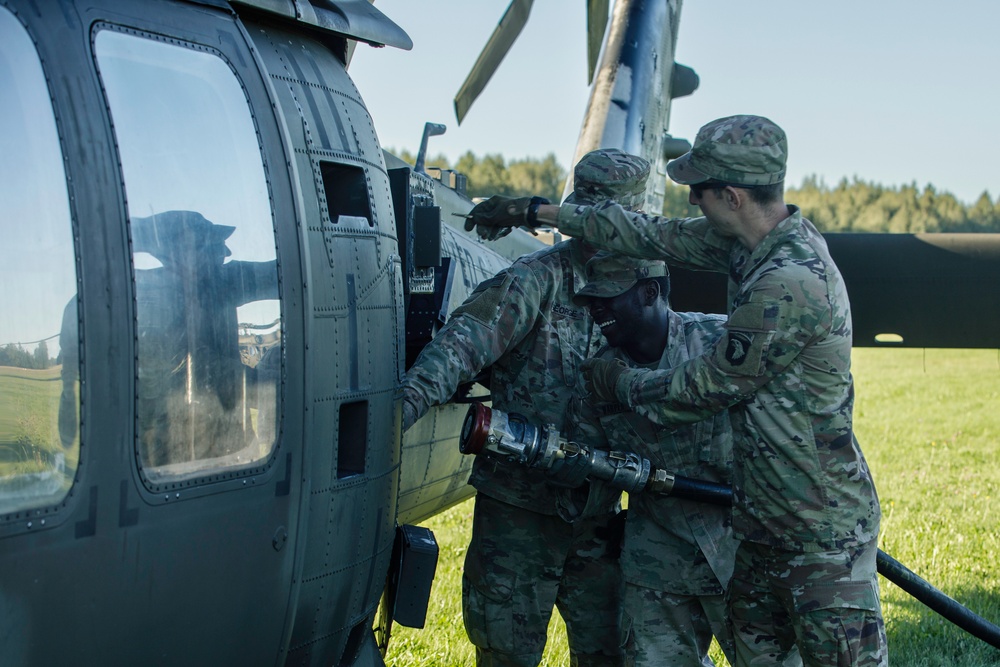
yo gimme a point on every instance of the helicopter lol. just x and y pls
(216, 283)
(214, 279)
(211, 281)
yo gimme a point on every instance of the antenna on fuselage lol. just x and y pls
(430, 130)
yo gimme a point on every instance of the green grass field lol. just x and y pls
(28, 411)
(929, 424)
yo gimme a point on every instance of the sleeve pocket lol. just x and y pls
(483, 304)
(744, 346)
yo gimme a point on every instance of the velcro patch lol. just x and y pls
(484, 303)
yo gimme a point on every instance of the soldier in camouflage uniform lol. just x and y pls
(805, 505)
(677, 557)
(535, 544)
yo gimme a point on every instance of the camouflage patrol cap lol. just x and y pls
(742, 150)
(610, 274)
(609, 173)
(179, 233)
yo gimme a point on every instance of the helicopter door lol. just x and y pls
(211, 469)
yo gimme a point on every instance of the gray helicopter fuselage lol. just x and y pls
(205, 291)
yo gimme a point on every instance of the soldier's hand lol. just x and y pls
(410, 415)
(570, 471)
(495, 217)
(600, 377)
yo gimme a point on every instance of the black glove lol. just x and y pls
(495, 217)
(600, 376)
(570, 471)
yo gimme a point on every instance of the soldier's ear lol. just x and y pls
(732, 197)
(650, 292)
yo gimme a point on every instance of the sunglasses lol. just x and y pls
(698, 188)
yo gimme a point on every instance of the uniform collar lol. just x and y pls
(748, 260)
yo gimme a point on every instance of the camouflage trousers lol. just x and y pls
(671, 630)
(521, 563)
(824, 604)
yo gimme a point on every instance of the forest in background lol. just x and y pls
(853, 205)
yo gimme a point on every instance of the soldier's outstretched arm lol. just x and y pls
(493, 320)
(687, 242)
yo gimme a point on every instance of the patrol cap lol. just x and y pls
(610, 274)
(179, 233)
(609, 173)
(742, 150)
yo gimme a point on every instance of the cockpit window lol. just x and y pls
(39, 336)
(208, 318)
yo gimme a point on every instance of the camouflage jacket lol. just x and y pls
(523, 323)
(800, 480)
(677, 546)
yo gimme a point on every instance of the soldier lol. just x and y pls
(805, 505)
(677, 556)
(535, 544)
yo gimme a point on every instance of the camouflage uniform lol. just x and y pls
(677, 557)
(527, 553)
(804, 501)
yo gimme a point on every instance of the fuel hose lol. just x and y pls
(888, 567)
(512, 437)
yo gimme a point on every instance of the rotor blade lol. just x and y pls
(496, 48)
(597, 22)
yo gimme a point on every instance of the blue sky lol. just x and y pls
(891, 91)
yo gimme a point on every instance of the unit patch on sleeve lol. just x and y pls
(737, 347)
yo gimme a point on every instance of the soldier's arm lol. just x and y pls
(687, 242)
(252, 281)
(763, 338)
(492, 321)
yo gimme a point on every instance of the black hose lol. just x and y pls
(888, 567)
(975, 625)
(721, 494)
(702, 491)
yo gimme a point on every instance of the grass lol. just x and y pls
(29, 433)
(929, 424)
(29, 407)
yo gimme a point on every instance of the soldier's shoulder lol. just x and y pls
(805, 243)
(708, 321)
(700, 317)
(801, 259)
(548, 253)
(547, 261)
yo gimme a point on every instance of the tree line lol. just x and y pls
(853, 205)
(14, 354)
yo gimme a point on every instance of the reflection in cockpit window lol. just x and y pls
(199, 379)
(39, 324)
(208, 318)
